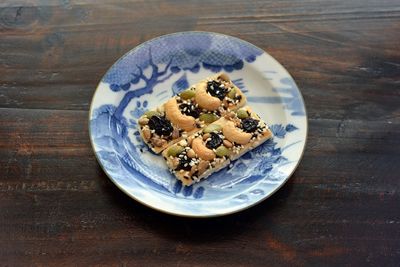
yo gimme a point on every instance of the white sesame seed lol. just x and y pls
(182, 143)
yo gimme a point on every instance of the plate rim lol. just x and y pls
(178, 214)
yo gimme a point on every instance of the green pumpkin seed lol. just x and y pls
(222, 151)
(212, 128)
(151, 113)
(242, 113)
(175, 150)
(232, 93)
(208, 117)
(187, 94)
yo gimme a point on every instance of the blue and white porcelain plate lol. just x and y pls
(154, 71)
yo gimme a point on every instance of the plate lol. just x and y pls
(154, 71)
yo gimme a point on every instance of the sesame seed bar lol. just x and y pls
(189, 111)
(212, 148)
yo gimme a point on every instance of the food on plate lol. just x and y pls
(191, 110)
(246, 132)
(213, 147)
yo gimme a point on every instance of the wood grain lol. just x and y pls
(340, 207)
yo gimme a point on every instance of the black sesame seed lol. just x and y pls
(214, 88)
(190, 110)
(249, 125)
(214, 142)
(184, 164)
(160, 125)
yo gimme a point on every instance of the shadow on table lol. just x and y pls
(199, 230)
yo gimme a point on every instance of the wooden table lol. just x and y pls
(341, 207)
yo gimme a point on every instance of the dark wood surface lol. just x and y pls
(340, 208)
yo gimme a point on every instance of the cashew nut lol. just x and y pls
(173, 113)
(233, 134)
(204, 100)
(201, 150)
